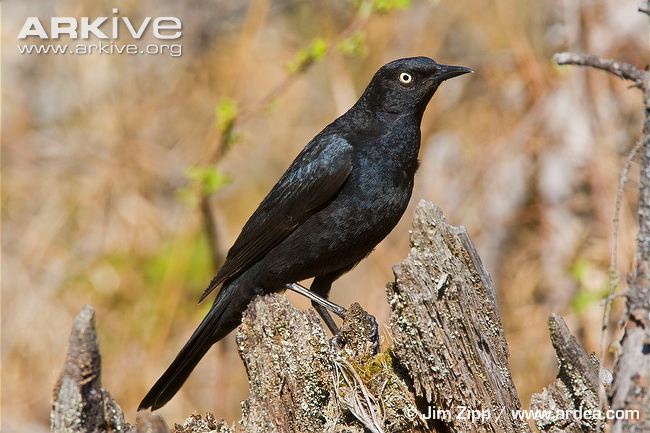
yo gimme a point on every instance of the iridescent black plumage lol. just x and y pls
(340, 197)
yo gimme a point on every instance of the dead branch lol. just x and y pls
(625, 71)
(613, 263)
(630, 389)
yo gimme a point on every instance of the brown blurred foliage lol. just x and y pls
(100, 203)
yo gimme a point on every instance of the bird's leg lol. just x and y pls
(322, 286)
(325, 315)
(320, 304)
(323, 303)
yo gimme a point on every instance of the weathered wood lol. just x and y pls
(147, 422)
(574, 391)
(80, 404)
(446, 327)
(449, 350)
(288, 362)
(207, 424)
(631, 387)
(300, 382)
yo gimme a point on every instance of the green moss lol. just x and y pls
(377, 365)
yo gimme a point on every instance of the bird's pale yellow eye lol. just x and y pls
(405, 78)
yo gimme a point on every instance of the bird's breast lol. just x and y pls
(375, 197)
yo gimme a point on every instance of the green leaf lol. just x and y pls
(209, 179)
(271, 106)
(592, 284)
(579, 269)
(386, 6)
(354, 45)
(307, 56)
(225, 114)
(585, 298)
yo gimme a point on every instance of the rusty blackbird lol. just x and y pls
(339, 198)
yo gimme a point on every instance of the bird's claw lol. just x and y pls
(359, 333)
(337, 342)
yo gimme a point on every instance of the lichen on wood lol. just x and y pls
(575, 389)
(79, 403)
(301, 381)
(446, 327)
(448, 350)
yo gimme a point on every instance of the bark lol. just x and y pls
(300, 382)
(448, 353)
(622, 70)
(80, 404)
(446, 327)
(576, 388)
(631, 388)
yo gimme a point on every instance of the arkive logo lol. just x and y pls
(112, 28)
(83, 36)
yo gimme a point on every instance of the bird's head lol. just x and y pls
(407, 85)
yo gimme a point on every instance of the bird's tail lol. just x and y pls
(218, 323)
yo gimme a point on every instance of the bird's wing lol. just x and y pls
(313, 179)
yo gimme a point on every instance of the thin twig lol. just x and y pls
(613, 261)
(210, 227)
(630, 387)
(626, 71)
(615, 296)
(359, 21)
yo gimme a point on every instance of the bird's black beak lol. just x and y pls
(445, 72)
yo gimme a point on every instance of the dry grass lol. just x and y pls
(95, 154)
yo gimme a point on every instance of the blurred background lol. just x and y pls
(126, 178)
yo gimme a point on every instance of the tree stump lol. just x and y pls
(446, 369)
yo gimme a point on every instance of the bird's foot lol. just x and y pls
(337, 342)
(359, 334)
